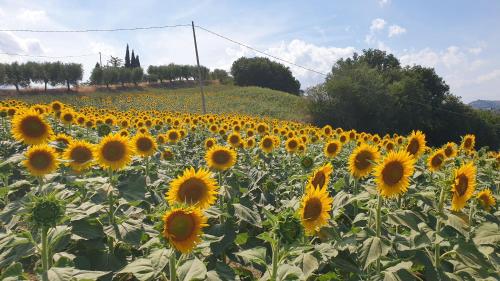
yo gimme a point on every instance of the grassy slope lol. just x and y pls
(220, 98)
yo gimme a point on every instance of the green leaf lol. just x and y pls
(222, 272)
(148, 268)
(192, 270)
(309, 264)
(372, 249)
(457, 223)
(13, 248)
(133, 188)
(87, 228)
(288, 272)
(129, 231)
(70, 273)
(247, 214)
(399, 272)
(487, 233)
(404, 217)
(12, 272)
(241, 238)
(256, 255)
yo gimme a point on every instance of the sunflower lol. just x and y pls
(173, 135)
(167, 154)
(41, 160)
(194, 188)
(486, 199)
(144, 144)
(436, 160)
(182, 227)
(463, 185)
(321, 177)
(210, 142)
(80, 153)
(56, 106)
(332, 148)
(314, 209)
(468, 142)
(416, 143)
(67, 116)
(267, 144)
(392, 174)
(292, 144)
(30, 128)
(234, 139)
(220, 158)
(362, 159)
(114, 152)
(450, 149)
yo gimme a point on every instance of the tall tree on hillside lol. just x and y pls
(132, 60)
(127, 58)
(137, 61)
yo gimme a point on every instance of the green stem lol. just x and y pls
(355, 193)
(111, 200)
(438, 227)
(45, 254)
(378, 229)
(471, 217)
(275, 259)
(172, 261)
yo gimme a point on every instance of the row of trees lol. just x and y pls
(109, 75)
(21, 75)
(372, 92)
(174, 72)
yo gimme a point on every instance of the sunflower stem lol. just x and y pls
(378, 222)
(275, 257)
(45, 254)
(111, 200)
(171, 266)
(471, 219)
(438, 227)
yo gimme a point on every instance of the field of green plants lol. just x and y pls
(122, 187)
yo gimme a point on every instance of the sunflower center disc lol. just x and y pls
(221, 157)
(292, 144)
(267, 143)
(468, 143)
(413, 147)
(461, 186)
(363, 160)
(144, 144)
(332, 148)
(113, 151)
(392, 173)
(181, 226)
(192, 191)
(40, 160)
(313, 208)
(81, 154)
(234, 140)
(447, 151)
(437, 160)
(32, 127)
(319, 179)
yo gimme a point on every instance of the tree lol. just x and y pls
(221, 75)
(127, 58)
(137, 61)
(55, 73)
(109, 75)
(263, 72)
(96, 77)
(16, 74)
(137, 74)
(115, 61)
(132, 62)
(72, 73)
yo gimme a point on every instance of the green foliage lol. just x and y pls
(265, 73)
(174, 72)
(373, 93)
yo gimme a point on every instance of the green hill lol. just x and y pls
(219, 98)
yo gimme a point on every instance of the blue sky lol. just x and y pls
(458, 38)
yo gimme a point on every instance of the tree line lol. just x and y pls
(21, 75)
(174, 72)
(110, 75)
(372, 92)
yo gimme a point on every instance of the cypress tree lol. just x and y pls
(132, 61)
(127, 57)
(137, 61)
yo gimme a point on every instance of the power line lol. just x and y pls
(261, 52)
(48, 57)
(94, 30)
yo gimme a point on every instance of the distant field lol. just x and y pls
(220, 98)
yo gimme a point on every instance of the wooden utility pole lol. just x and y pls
(100, 60)
(204, 109)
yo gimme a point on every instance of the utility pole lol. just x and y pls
(100, 60)
(199, 71)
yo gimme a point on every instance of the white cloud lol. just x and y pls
(378, 24)
(382, 3)
(475, 51)
(10, 43)
(395, 30)
(492, 75)
(32, 15)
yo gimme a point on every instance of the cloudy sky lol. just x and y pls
(457, 37)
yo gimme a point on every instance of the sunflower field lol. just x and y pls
(101, 193)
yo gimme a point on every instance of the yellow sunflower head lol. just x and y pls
(30, 128)
(321, 176)
(463, 186)
(173, 135)
(114, 152)
(436, 160)
(67, 116)
(267, 144)
(486, 199)
(416, 144)
(41, 160)
(393, 173)
(362, 160)
(292, 145)
(144, 145)
(315, 209)
(182, 227)
(80, 154)
(220, 158)
(450, 149)
(167, 154)
(234, 139)
(332, 148)
(468, 142)
(193, 188)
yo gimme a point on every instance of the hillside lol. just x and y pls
(486, 104)
(219, 98)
